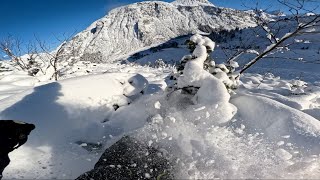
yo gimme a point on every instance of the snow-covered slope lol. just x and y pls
(192, 2)
(132, 27)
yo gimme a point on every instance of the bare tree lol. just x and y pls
(58, 55)
(14, 49)
(38, 55)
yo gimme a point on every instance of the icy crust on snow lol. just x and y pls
(65, 112)
(130, 28)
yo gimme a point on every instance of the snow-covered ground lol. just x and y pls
(269, 128)
(68, 112)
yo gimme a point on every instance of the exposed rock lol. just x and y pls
(130, 159)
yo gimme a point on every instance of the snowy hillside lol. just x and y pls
(130, 28)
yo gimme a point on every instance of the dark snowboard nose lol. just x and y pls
(13, 134)
(31, 127)
(25, 126)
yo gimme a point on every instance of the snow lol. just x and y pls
(75, 109)
(135, 85)
(234, 64)
(15, 83)
(211, 89)
(157, 105)
(283, 154)
(225, 150)
(192, 2)
(283, 120)
(200, 109)
(200, 52)
(267, 128)
(261, 132)
(204, 41)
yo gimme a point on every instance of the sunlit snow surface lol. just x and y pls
(65, 112)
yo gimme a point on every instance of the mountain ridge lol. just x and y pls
(129, 28)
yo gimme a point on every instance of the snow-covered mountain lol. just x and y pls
(129, 28)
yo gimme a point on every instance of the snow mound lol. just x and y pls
(280, 120)
(13, 83)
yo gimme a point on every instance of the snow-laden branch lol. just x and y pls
(299, 30)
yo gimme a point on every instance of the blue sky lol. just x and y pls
(49, 18)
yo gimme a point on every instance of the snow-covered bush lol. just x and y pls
(95, 57)
(33, 67)
(202, 65)
(298, 87)
(5, 67)
(160, 64)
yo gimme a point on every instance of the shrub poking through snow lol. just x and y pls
(298, 87)
(160, 64)
(200, 67)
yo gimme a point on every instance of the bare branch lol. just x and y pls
(304, 25)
